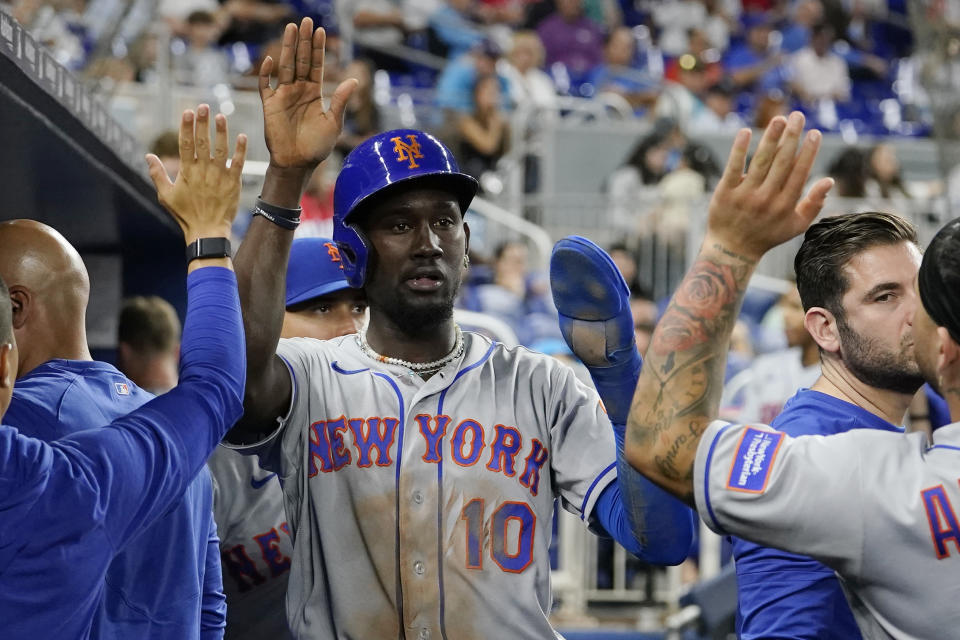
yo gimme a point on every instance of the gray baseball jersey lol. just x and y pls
(422, 509)
(255, 546)
(879, 508)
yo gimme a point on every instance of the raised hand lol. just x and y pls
(678, 393)
(299, 131)
(755, 211)
(204, 198)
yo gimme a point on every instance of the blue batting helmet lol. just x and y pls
(375, 166)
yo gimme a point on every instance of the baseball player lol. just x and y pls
(255, 540)
(427, 456)
(167, 583)
(875, 506)
(148, 343)
(855, 274)
(67, 507)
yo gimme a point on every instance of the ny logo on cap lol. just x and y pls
(407, 151)
(334, 252)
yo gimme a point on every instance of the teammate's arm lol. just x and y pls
(137, 466)
(300, 133)
(213, 602)
(678, 393)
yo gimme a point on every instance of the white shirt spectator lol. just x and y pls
(675, 17)
(817, 77)
(180, 9)
(534, 88)
(385, 35)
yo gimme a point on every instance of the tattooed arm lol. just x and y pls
(678, 393)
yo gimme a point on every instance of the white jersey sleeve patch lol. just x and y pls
(799, 494)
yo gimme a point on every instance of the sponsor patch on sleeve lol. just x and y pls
(753, 460)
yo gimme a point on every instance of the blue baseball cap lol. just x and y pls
(314, 270)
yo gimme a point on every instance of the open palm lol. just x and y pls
(759, 209)
(299, 131)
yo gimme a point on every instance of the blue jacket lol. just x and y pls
(784, 595)
(127, 495)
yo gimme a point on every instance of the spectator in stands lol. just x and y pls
(506, 12)
(362, 118)
(571, 39)
(702, 50)
(675, 19)
(632, 186)
(884, 178)
(755, 65)
(456, 82)
(682, 101)
(148, 343)
(626, 263)
(818, 72)
(166, 146)
(721, 19)
(719, 114)
(175, 12)
(617, 73)
(376, 25)
(485, 133)
(529, 84)
(682, 189)
(517, 296)
(59, 28)
(454, 26)
(849, 171)
(796, 33)
(255, 22)
(203, 63)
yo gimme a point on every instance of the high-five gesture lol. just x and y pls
(678, 393)
(300, 132)
(755, 211)
(204, 197)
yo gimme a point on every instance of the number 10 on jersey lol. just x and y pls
(512, 527)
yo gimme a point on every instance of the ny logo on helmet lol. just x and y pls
(334, 253)
(407, 151)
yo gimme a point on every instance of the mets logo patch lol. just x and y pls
(753, 460)
(334, 252)
(407, 151)
(122, 388)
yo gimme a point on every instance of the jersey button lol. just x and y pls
(417, 497)
(418, 567)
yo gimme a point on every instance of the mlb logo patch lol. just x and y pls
(122, 388)
(753, 460)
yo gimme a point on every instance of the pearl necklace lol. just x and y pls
(419, 367)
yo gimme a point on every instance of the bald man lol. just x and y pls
(166, 583)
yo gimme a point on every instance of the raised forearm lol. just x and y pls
(678, 393)
(261, 267)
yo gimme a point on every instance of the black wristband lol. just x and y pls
(287, 223)
(280, 216)
(208, 248)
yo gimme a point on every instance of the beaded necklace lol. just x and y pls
(419, 367)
